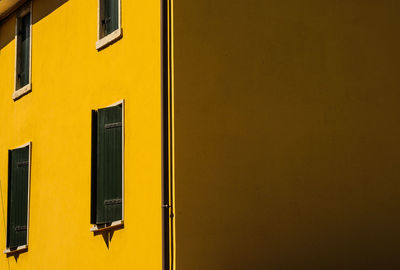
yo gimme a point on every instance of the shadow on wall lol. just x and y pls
(286, 134)
(7, 31)
(41, 9)
(108, 234)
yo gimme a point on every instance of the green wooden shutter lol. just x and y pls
(111, 16)
(109, 165)
(17, 218)
(24, 53)
(93, 203)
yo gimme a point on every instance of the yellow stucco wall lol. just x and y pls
(70, 78)
(287, 127)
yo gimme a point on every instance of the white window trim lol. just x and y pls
(105, 41)
(23, 247)
(19, 249)
(114, 225)
(118, 223)
(18, 93)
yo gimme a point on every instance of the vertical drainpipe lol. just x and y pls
(167, 211)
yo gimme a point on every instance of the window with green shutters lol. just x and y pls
(109, 16)
(109, 23)
(24, 34)
(23, 51)
(18, 197)
(23, 48)
(107, 165)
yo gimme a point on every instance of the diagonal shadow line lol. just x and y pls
(4, 219)
(40, 10)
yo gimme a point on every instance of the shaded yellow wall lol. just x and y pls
(70, 78)
(287, 134)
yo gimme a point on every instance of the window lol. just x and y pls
(19, 161)
(109, 23)
(107, 166)
(23, 52)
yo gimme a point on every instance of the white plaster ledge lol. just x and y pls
(109, 39)
(22, 91)
(14, 251)
(114, 225)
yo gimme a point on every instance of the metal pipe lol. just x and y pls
(167, 214)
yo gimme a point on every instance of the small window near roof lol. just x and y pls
(23, 52)
(109, 23)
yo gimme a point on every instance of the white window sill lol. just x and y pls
(114, 225)
(19, 249)
(109, 39)
(22, 91)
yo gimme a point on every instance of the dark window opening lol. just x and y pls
(23, 50)
(109, 17)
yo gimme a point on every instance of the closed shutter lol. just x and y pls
(24, 53)
(17, 218)
(111, 16)
(93, 202)
(109, 165)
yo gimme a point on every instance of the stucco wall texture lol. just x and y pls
(69, 79)
(287, 134)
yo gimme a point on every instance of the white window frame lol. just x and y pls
(23, 247)
(105, 41)
(19, 92)
(119, 223)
